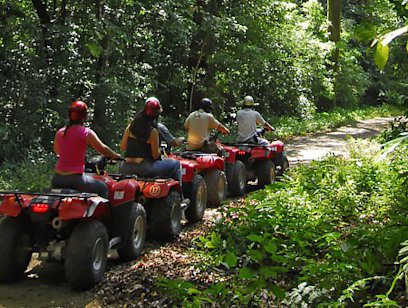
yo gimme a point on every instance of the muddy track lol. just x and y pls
(133, 283)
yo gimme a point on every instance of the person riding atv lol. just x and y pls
(70, 145)
(199, 124)
(247, 120)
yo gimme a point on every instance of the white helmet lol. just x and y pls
(249, 101)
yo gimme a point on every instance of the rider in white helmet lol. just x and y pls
(248, 119)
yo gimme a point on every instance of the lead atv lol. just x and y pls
(258, 162)
(78, 228)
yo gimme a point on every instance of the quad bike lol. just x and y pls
(261, 162)
(79, 228)
(204, 181)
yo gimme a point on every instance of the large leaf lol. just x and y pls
(381, 55)
(231, 260)
(95, 49)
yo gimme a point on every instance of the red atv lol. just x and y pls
(261, 162)
(204, 181)
(79, 228)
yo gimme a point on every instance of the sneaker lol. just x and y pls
(185, 202)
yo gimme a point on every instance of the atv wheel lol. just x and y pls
(165, 217)
(16, 249)
(266, 173)
(216, 186)
(195, 211)
(136, 234)
(282, 164)
(237, 179)
(86, 254)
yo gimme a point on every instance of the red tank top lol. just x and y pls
(72, 149)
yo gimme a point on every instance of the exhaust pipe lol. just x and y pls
(57, 223)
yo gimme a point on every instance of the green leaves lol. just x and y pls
(382, 51)
(381, 55)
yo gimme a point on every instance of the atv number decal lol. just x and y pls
(155, 190)
(119, 195)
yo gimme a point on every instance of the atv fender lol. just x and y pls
(80, 208)
(10, 206)
(277, 146)
(124, 191)
(160, 188)
(211, 162)
(230, 154)
(188, 170)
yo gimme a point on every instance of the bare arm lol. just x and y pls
(98, 145)
(55, 145)
(223, 130)
(269, 127)
(154, 143)
(123, 143)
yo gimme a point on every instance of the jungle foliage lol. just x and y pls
(113, 54)
(329, 235)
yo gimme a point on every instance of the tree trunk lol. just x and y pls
(334, 18)
(101, 90)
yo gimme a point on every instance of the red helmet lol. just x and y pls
(152, 107)
(78, 111)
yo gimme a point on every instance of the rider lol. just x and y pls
(247, 119)
(199, 124)
(166, 136)
(140, 142)
(70, 144)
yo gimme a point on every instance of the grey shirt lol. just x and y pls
(247, 120)
(164, 134)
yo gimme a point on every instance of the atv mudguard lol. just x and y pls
(158, 188)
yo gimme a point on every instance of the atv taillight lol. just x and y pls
(241, 152)
(39, 208)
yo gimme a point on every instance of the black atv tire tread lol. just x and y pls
(129, 252)
(192, 213)
(234, 186)
(211, 178)
(78, 262)
(263, 171)
(12, 232)
(160, 227)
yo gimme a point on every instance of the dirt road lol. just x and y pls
(45, 285)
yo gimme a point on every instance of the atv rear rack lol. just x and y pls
(77, 195)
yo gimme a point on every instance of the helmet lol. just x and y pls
(249, 101)
(78, 111)
(206, 104)
(152, 107)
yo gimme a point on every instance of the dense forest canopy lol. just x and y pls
(113, 54)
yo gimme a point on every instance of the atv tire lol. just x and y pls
(266, 173)
(16, 249)
(198, 198)
(136, 234)
(237, 179)
(86, 254)
(165, 217)
(216, 181)
(282, 164)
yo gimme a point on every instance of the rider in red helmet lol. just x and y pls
(70, 144)
(141, 145)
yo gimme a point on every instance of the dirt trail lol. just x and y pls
(45, 285)
(307, 148)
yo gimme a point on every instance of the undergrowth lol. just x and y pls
(328, 235)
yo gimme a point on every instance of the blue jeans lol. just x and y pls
(80, 182)
(168, 168)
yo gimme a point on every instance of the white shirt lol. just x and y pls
(247, 120)
(199, 123)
